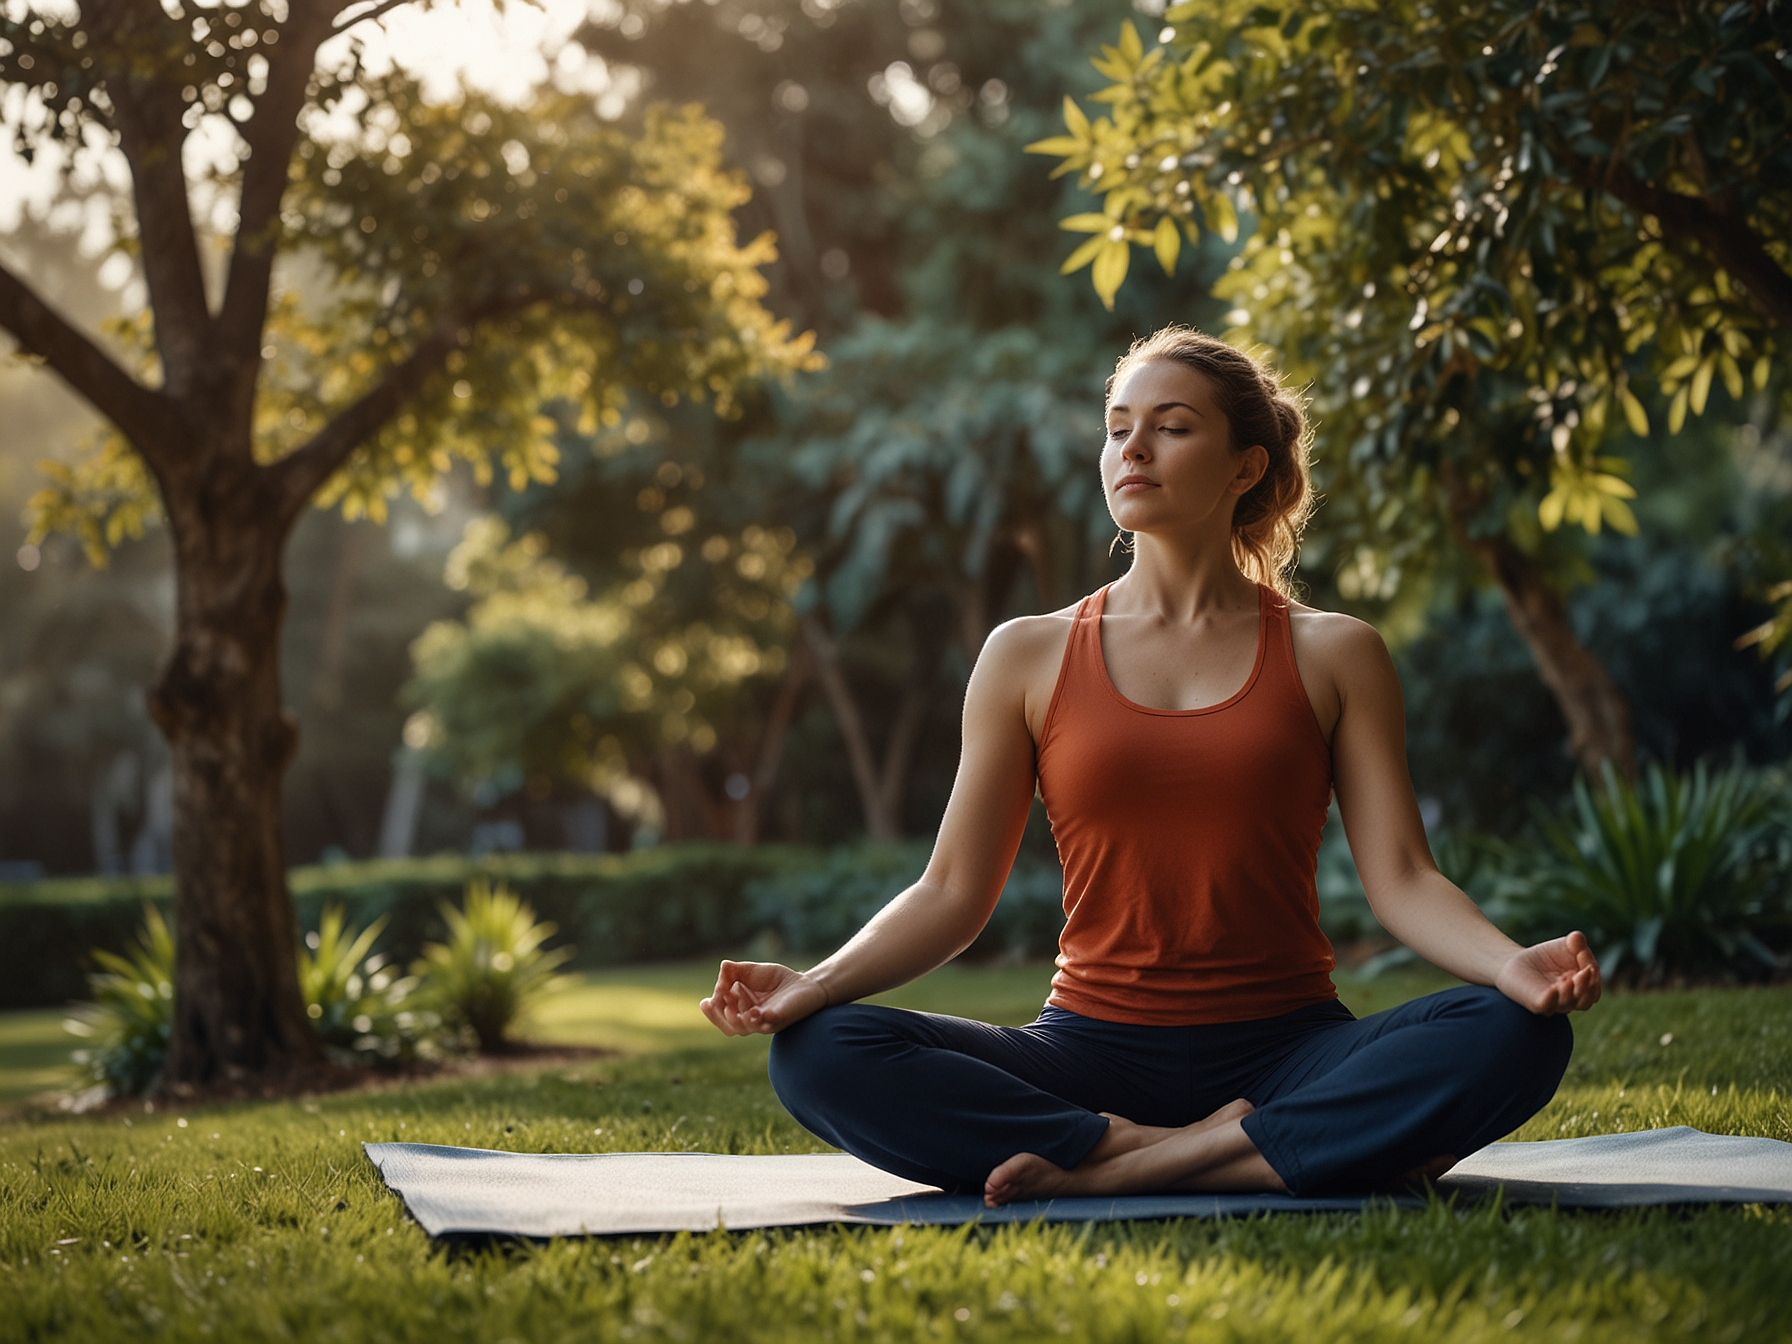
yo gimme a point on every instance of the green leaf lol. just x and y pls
(1618, 514)
(1130, 46)
(1549, 512)
(1075, 120)
(1166, 240)
(1061, 145)
(1701, 383)
(1634, 414)
(1677, 412)
(1109, 272)
(1084, 254)
(1087, 223)
(1222, 218)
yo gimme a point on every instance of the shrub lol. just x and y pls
(493, 968)
(816, 910)
(1675, 875)
(652, 904)
(131, 1015)
(360, 1004)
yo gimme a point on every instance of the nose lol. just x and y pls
(1134, 448)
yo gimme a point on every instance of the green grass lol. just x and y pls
(265, 1222)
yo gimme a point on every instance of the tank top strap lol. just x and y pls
(1080, 669)
(1280, 669)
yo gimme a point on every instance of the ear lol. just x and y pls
(1253, 463)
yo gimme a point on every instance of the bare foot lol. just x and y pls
(1128, 1160)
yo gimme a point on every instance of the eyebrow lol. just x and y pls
(1161, 406)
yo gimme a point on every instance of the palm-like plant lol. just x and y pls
(1672, 874)
(493, 969)
(356, 1000)
(131, 1014)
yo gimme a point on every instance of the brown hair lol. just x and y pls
(1271, 515)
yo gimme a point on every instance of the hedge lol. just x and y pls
(652, 904)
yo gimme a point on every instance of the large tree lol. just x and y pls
(1480, 228)
(475, 261)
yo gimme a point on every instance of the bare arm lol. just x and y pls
(1413, 900)
(937, 918)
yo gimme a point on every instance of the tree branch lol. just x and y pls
(139, 412)
(270, 133)
(378, 11)
(1725, 236)
(300, 474)
(147, 111)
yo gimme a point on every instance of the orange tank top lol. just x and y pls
(1189, 840)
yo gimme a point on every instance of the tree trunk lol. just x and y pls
(238, 1012)
(1595, 710)
(880, 786)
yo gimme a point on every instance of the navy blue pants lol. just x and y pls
(1341, 1104)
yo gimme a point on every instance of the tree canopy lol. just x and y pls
(1483, 234)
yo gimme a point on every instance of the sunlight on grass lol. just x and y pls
(35, 1054)
(265, 1221)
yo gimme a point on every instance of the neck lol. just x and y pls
(1182, 577)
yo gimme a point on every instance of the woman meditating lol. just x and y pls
(1186, 727)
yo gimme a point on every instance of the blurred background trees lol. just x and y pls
(759, 628)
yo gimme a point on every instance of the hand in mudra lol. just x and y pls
(1559, 976)
(754, 997)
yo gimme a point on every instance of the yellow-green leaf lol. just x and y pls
(1087, 223)
(1613, 485)
(1634, 413)
(1732, 373)
(1762, 369)
(1166, 241)
(1549, 512)
(1084, 254)
(1677, 412)
(1060, 145)
(1701, 383)
(1221, 217)
(1109, 272)
(1618, 514)
(1130, 46)
(1075, 120)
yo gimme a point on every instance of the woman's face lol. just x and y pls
(1168, 463)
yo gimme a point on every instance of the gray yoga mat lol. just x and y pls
(477, 1190)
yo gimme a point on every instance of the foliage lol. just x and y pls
(132, 1011)
(816, 910)
(493, 971)
(458, 238)
(646, 905)
(944, 456)
(356, 999)
(1673, 875)
(1472, 228)
(162, 1229)
(542, 681)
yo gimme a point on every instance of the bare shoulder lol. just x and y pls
(1341, 651)
(1020, 661)
(1333, 635)
(1017, 648)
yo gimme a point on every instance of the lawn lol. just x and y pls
(266, 1222)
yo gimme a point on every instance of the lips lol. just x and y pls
(1127, 481)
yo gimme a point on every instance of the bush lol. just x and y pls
(492, 970)
(362, 1007)
(816, 910)
(653, 904)
(1675, 875)
(131, 1015)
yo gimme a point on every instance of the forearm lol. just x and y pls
(1431, 915)
(923, 928)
